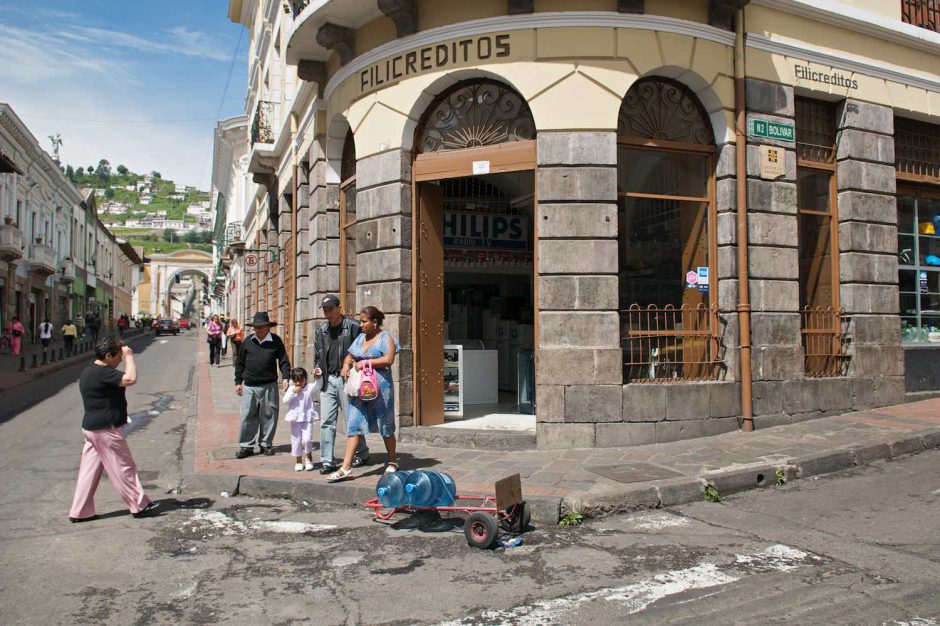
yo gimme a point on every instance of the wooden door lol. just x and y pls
(429, 371)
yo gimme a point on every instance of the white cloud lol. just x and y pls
(180, 40)
(31, 56)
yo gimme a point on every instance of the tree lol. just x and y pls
(109, 192)
(155, 174)
(192, 237)
(169, 234)
(122, 170)
(104, 171)
(70, 172)
(90, 169)
(80, 171)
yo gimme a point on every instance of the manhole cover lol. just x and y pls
(633, 472)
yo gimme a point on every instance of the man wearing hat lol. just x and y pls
(331, 344)
(256, 374)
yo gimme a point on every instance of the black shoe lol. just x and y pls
(79, 520)
(328, 468)
(268, 451)
(359, 461)
(151, 509)
(244, 453)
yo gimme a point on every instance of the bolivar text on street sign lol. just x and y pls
(767, 129)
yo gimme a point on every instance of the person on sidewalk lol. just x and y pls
(122, 325)
(301, 401)
(376, 348)
(223, 345)
(69, 333)
(45, 337)
(214, 339)
(331, 345)
(256, 371)
(235, 335)
(17, 330)
(102, 388)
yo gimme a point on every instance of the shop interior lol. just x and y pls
(489, 368)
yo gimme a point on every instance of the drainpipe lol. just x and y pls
(295, 186)
(744, 301)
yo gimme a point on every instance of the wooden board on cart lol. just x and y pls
(508, 491)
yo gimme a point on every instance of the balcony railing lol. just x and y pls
(11, 242)
(233, 233)
(923, 13)
(670, 344)
(42, 260)
(262, 126)
(67, 272)
(825, 342)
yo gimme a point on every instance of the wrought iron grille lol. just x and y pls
(233, 232)
(666, 110)
(917, 148)
(670, 344)
(825, 342)
(262, 126)
(923, 13)
(472, 114)
(815, 130)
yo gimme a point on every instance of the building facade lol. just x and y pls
(641, 220)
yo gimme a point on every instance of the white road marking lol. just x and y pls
(658, 521)
(637, 596)
(164, 341)
(229, 526)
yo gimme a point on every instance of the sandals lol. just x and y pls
(391, 468)
(341, 474)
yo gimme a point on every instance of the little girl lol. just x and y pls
(302, 413)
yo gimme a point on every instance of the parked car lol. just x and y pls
(184, 323)
(166, 325)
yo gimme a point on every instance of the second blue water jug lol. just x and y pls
(427, 488)
(391, 489)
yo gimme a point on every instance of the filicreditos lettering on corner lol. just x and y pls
(805, 72)
(433, 57)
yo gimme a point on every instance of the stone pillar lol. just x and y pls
(868, 261)
(579, 363)
(773, 259)
(10, 304)
(302, 312)
(383, 262)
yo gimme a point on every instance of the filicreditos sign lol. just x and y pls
(805, 72)
(434, 57)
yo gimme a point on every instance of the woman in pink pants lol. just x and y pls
(106, 449)
(17, 330)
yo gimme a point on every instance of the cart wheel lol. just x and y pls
(523, 517)
(480, 530)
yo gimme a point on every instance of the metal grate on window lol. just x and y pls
(815, 130)
(917, 148)
(825, 342)
(923, 13)
(669, 344)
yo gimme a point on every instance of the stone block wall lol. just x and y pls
(383, 261)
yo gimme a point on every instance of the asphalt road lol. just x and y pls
(856, 548)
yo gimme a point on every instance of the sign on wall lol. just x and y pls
(772, 162)
(769, 129)
(465, 229)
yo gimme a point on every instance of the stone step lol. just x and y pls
(467, 438)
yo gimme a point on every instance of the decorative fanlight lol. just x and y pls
(663, 109)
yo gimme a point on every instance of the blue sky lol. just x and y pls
(138, 82)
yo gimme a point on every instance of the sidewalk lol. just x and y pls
(593, 481)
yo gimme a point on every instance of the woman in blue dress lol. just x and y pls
(370, 416)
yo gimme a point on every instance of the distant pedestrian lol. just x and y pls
(262, 355)
(235, 334)
(331, 344)
(69, 333)
(301, 401)
(224, 322)
(45, 336)
(122, 325)
(16, 330)
(102, 388)
(214, 339)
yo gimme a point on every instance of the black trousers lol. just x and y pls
(215, 349)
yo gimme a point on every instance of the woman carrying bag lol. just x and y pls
(214, 339)
(371, 356)
(236, 335)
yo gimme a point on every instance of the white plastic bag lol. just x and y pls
(353, 383)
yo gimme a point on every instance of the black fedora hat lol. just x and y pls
(261, 319)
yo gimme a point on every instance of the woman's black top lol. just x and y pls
(103, 397)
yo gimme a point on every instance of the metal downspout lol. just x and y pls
(295, 186)
(744, 301)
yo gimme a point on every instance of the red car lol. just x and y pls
(184, 322)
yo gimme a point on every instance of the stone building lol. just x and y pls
(642, 220)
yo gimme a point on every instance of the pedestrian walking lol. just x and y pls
(122, 325)
(373, 349)
(300, 399)
(16, 330)
(331, 345)
(214, 339)
(235, 334)
(262, 355)
(102, 387)
(69, 333)
(45, 336)
(224, 345)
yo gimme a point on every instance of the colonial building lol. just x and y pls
(642, 220)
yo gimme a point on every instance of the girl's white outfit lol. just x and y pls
(302, 413)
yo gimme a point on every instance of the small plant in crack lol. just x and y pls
(781, 476)
(571, 519)
(711, 494)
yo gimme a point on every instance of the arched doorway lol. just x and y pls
(667, 234)
(473, 242)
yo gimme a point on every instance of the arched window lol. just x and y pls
(473, 114)
(667, 245)
(347, 225)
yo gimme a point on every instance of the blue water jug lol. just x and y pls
(391, 489)
(427, 488)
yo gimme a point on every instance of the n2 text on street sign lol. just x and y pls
(767, 129)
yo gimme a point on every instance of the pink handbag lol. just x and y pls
(369, 383)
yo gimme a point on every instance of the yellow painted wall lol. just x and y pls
(887, 8)
(693, 10)
(434, 13)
